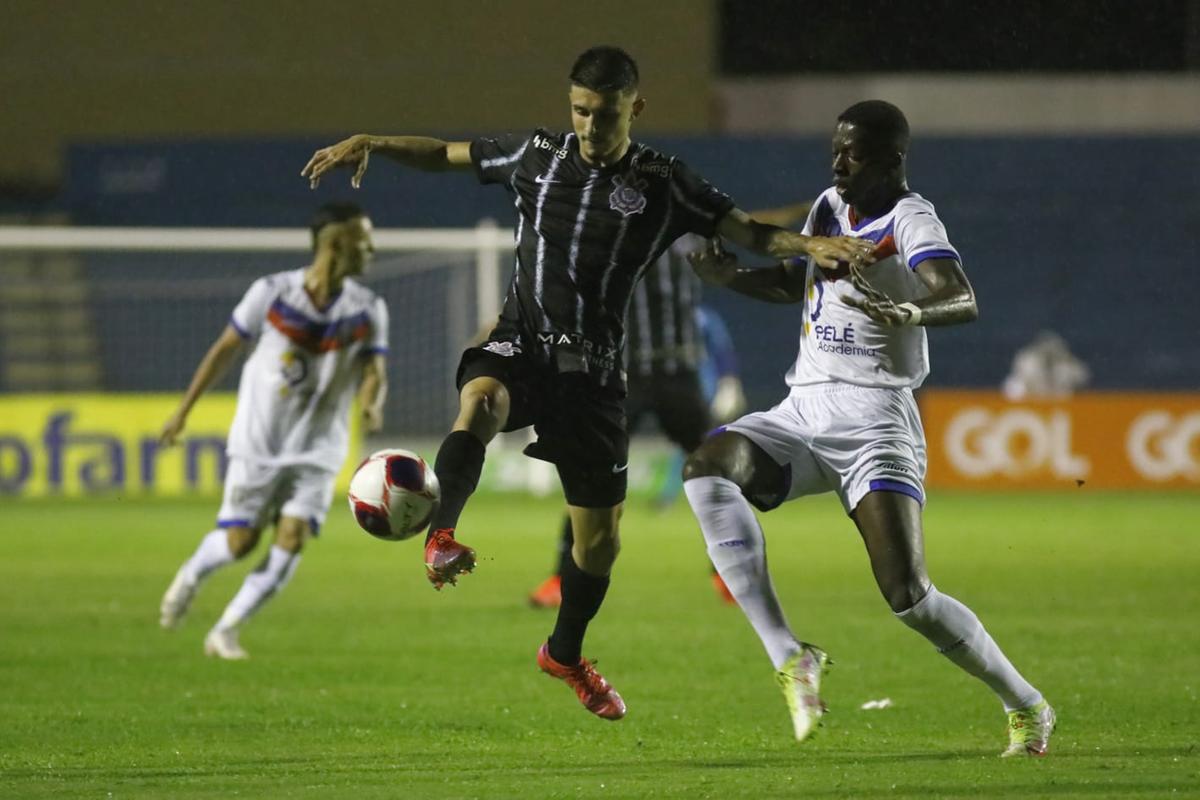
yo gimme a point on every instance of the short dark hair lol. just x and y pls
(605, 69)
(332, 214)
(884, 123)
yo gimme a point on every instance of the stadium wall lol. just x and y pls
(133, 68)
(1092, 237)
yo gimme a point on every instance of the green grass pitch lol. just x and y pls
(366, 683)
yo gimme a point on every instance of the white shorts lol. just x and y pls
(843, 438)
(255, 493)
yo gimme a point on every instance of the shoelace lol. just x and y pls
(1020, 725)
(442, 537)
(585, 673)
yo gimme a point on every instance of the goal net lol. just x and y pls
(133, 310)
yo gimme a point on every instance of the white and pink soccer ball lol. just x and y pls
(393, 494)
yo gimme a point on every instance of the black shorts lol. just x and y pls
(580, 425)
(676, 400)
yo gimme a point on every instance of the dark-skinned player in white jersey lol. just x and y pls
(594, 210)
(850, 424)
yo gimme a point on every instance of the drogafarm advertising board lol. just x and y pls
(72, 445)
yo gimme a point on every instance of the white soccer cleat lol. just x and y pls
(800, 680)
(176, 601)
(223, 643)
(1029, 730)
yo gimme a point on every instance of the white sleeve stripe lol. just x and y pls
(500, 161)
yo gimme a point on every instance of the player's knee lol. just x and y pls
(597, 556)
(489, 398)
(904, 594)
(291, 534)
(705, 463)
(241, 540)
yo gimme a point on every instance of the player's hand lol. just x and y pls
(713, 264)
(372, 419)
(729, 401)
(356, 150)
(171, 430)
(832, 252)
(874, 303)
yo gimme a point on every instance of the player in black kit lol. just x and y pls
(663, 354)
(594, 210)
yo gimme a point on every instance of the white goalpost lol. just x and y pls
(133, 309)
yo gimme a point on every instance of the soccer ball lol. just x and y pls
(393, 494)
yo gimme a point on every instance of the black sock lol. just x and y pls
(582, 595)
(459, 462)
(565, 543)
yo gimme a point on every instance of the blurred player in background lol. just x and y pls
(1045, 368)
(594, 211)
(319, 337)
(721, 383)
(850, 423)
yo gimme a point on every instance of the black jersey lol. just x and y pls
(662, 331)
(585, 235)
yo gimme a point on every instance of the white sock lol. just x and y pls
(212, 553)
(260, 586)
(739, 552)
(959, 635)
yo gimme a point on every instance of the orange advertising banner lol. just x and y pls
(1108, 440)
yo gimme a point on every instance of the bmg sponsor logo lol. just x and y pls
(542, 143)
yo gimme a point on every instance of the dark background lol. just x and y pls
(772, 37)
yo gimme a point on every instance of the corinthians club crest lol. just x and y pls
(627, 196)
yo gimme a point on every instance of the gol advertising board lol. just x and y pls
(72, 445)
(1108, 440)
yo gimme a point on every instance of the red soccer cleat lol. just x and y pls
(597, 695)
(548, 594)
(722, 590)
(446, 559)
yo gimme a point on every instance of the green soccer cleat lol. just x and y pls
(1029, 730)
(800, 680)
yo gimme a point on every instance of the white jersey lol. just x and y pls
(839, 343)
(297, 386)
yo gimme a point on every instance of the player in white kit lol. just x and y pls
(849, 423)
(320, 338)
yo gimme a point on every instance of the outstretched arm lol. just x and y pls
(211, 368)
(419, 152)
(782, 283)
(951, 299)
(769, 240)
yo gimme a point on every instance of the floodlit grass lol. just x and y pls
(366, 683)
